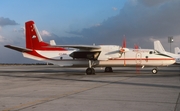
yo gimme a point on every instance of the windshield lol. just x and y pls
(154, 52)
(158, 53)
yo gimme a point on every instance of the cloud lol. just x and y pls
(138, 22)
(97, 25)
(153, 2)
(114, 8)
(45, 33)
(21, 30)
(2, 39)
(7, 21)
(133, 2)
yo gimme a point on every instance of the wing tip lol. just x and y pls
(20, 49)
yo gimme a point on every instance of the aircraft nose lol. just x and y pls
(177, 59)
(173, 61)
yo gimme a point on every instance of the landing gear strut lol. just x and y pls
(108, 69)
(90, 70)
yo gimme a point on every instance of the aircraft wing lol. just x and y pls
(81, 47)
(20, 49)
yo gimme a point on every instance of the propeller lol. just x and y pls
(136, 46)
(137, 65)
(138, 68)
(123, 50)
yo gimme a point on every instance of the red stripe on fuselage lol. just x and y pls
(142, 59)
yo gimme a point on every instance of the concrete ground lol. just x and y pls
(50, 88)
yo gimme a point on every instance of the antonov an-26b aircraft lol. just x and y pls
(89, 56)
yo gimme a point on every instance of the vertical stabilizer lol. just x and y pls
(33, 38)
(158, 46)
(177, 50)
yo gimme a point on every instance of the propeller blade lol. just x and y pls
(124, 60)
(136, 46)
(137, 68)
(124, 42)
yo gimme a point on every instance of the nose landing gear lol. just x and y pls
(108, 69)
(154, 71)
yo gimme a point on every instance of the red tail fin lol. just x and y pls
(33, 38)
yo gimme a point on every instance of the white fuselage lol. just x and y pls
(109, 56)
(158, 46)
(175, 56)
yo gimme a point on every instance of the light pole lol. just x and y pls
(170, 40)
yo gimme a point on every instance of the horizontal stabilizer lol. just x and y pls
(52, 42)
(20, 49)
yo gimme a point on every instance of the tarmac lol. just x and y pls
(51, 88)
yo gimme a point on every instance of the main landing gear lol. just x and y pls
(90, 70)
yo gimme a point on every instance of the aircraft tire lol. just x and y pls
(90, 71)
(154, 71)
(93, 71)
(108, 69)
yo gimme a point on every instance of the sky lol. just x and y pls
(103, 22)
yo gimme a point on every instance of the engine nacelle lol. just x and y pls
(85, 55)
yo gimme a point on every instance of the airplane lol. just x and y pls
(177, 50)
(158, 46)
(89, 56)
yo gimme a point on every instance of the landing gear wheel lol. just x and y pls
(154, 71)
(108, 69)
(93, 71)
(90, 71)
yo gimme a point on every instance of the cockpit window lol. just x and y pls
(150, 52)
(154, 52)
(159, 53)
